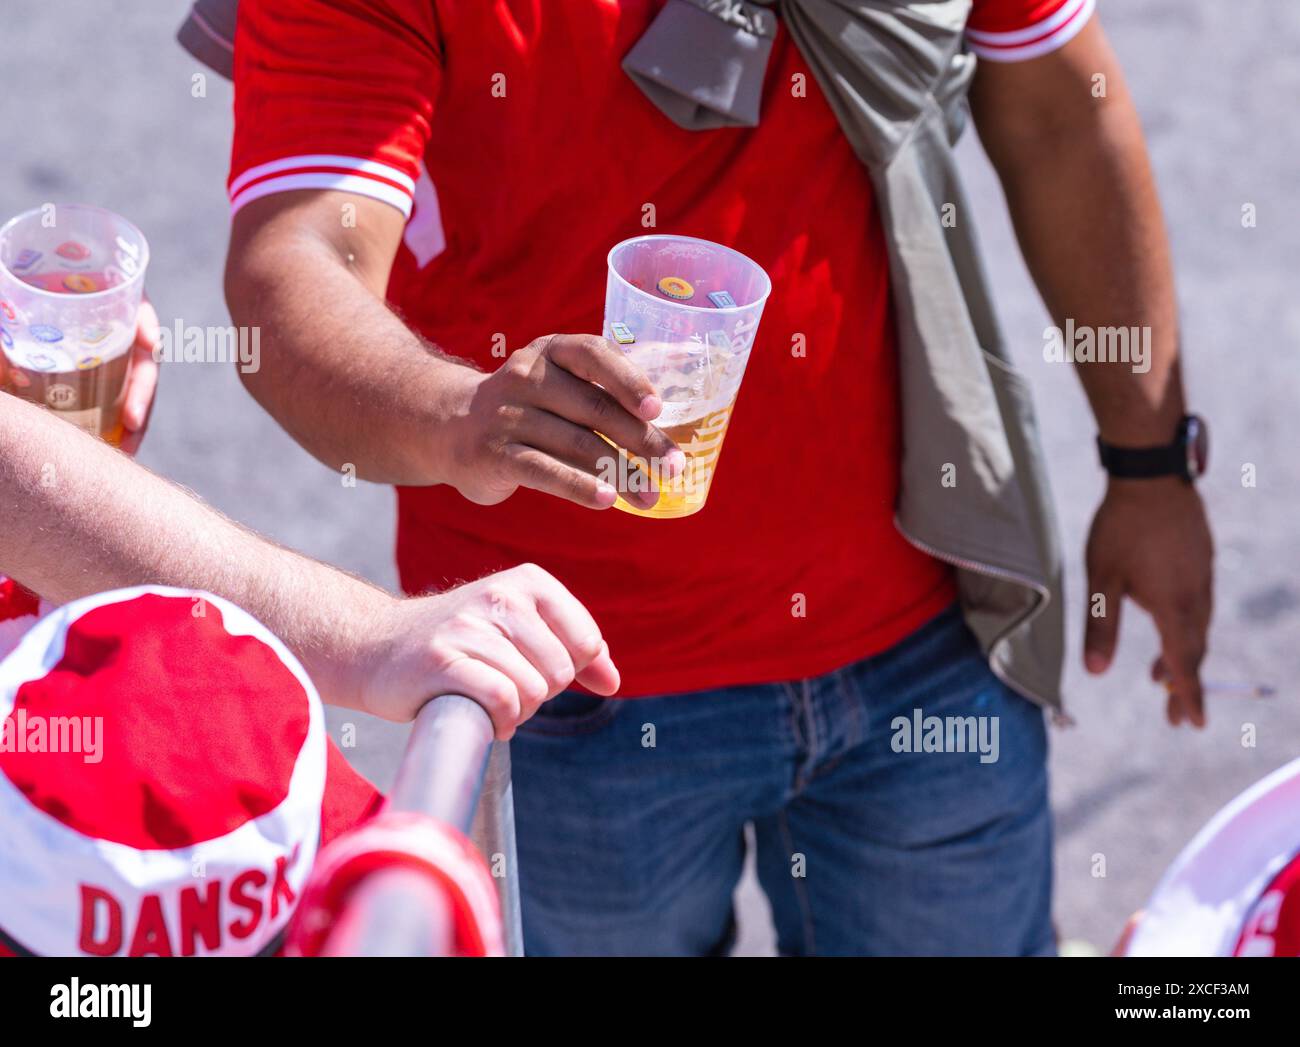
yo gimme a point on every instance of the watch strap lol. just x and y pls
(1183, 457)
(1143, 463)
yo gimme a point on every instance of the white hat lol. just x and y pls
(162, 767)
(1235, 889)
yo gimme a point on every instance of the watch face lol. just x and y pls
(1198, 447)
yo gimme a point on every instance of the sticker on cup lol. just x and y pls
(79, 283)
(722, 299)
(676, 287)
(39, 362)
(27, 258)
(46, 333)
(622, 333)
(72, 251)
(61, 397)
(93, 335)
(6, 339)
(88, 362)
(8, 311)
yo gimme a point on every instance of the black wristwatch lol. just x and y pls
(1186, 457)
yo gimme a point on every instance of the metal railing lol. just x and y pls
(453, 771)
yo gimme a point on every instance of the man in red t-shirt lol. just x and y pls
(471, 164)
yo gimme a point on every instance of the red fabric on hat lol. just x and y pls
(349, 798)
(237, 750)
(16, 601)
(1272, 928)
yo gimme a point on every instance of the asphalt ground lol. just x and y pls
(98, 104)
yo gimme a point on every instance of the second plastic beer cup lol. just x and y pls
(71, 281)
(686, 312)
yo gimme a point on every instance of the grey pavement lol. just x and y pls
(98, 104)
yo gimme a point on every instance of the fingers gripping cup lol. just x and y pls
(71, 280)
(686, 312)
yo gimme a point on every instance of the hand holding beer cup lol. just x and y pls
(141, 379)
(534, 422)
(71, 286)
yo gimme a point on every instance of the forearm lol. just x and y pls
(340, 371)
(1081, 194)
(1065, 138)
(78, 518)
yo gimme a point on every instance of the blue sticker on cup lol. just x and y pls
(6, 339)
(46, 333)
(722, 299)
(27, 258)
(622, 333)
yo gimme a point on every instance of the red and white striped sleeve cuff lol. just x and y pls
(348, 174)
(1054, 31)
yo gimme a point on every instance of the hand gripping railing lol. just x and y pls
(452, 771)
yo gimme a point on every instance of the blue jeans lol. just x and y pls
(630, 813)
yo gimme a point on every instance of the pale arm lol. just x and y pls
(78, 517)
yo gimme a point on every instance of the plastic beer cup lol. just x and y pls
(71, 281)
(686, 312)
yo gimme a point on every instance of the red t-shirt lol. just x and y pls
(528, 153)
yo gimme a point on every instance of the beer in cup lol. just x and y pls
(71, 280)
(686, 312)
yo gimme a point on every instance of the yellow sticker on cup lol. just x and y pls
(79, 283)
(676, 287)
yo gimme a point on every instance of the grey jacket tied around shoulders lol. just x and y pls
(896, 73)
